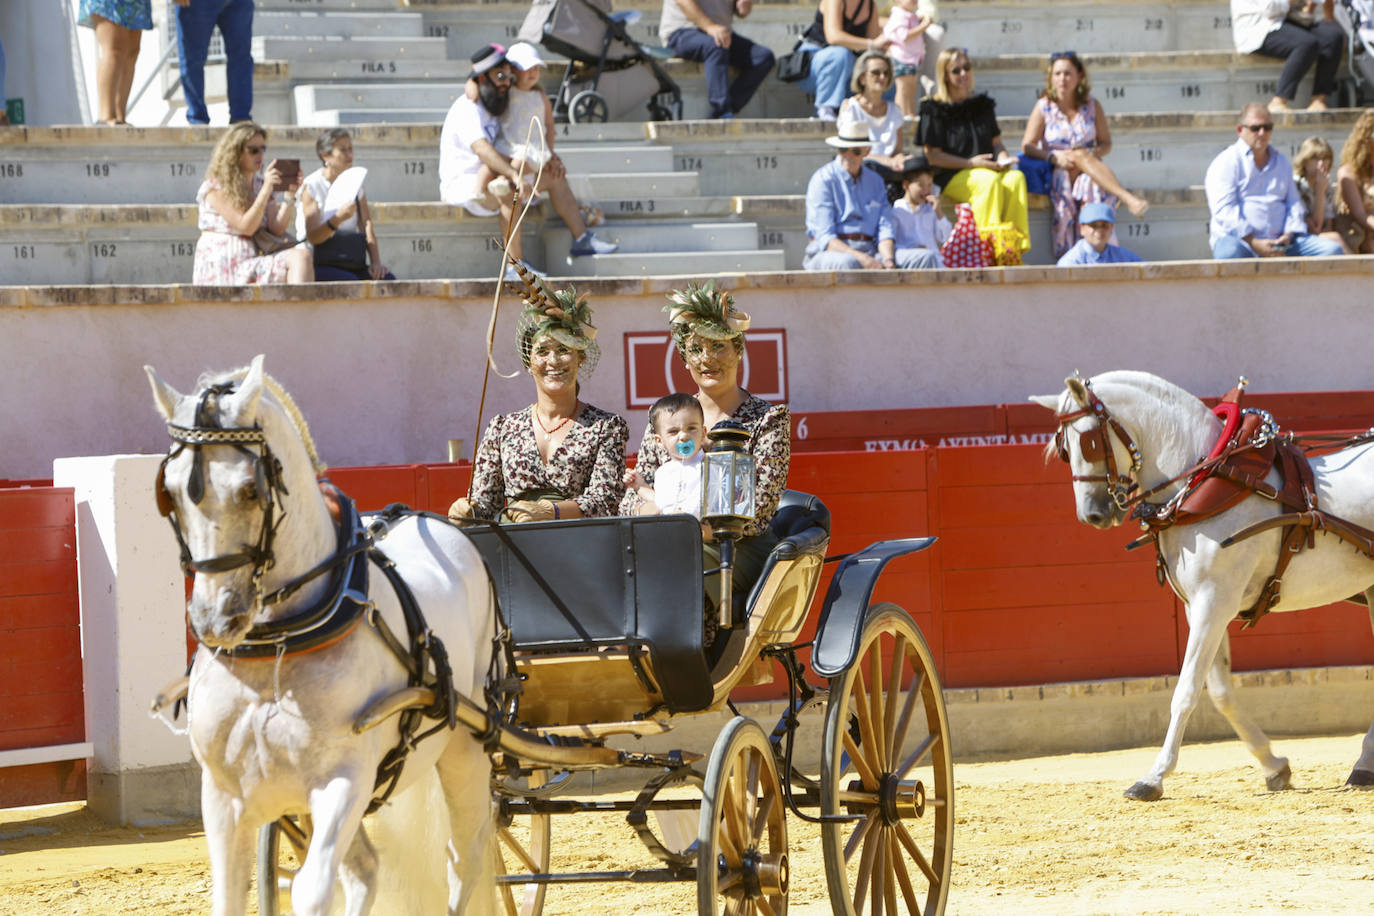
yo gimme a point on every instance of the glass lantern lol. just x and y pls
(727, 498)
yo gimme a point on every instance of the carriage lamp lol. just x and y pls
(727, 498)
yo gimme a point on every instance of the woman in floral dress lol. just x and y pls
(1068, 128)
(234, 202)
(709, 335)
(119, 27)
(559, 457)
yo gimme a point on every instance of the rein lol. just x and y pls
(1095, 447)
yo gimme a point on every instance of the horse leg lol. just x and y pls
(1362, 776)
(231, 848)
(358, 875)
(1206, 628)
(1276, 771)
(465, 775)
(337, 811)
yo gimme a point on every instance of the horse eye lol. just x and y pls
(248, 493)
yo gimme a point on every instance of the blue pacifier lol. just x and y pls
(685, 449)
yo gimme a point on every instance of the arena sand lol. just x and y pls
(1045, 835)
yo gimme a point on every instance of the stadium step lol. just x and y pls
(671, 263)
(381, 52)
(338, 24)
(646, 236)
(342, 6)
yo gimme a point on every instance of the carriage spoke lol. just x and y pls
(857, 836)
(875, 896)
(508, 901)
(892, 857)
(862, 713)
(751, 789)
(894, 687)
(765, 907)
(878, 741)
(856, 757)
(915, 853)
(865, 866)
(903, 877)
(916, 755)
(908, 708)
(294, 834)
(761, 820)
(518, 850)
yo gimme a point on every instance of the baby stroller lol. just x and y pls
(1357, 18)
(609, 73)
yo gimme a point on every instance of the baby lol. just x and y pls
(680, 428)
(906, 28)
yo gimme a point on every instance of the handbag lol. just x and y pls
(1004, 240)
(795, 65)
(965, 247)
(345, 249)
(268, 242)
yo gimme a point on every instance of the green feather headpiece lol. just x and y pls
(705, 311)
(561, 314)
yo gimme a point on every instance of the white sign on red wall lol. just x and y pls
(653, 367)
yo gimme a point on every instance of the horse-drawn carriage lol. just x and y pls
(602, 638)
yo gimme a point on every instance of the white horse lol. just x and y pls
(275, 735)
(1172, 431)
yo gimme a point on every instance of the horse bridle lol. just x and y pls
(267, 478)
(1096, 448)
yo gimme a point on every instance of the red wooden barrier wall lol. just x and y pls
(40, 643)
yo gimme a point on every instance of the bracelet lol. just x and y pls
(556, 513)
(330, 223)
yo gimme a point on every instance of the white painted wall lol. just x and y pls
(390, 380)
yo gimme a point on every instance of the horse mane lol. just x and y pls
(284, 400)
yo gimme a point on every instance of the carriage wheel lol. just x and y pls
(279, 861)
(588, 107)
(522, 847)
(742, 841)
(886, 756)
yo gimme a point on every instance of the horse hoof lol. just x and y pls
(1143, 791)
(1360, 779)
(1279, 781)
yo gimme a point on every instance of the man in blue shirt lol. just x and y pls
(1096, 222)
(1257, 211)
(847, 214)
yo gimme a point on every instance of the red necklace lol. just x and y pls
(564, 422)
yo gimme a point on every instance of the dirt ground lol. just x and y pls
(1044, 835)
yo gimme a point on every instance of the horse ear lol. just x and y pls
(1047, 401)
(1078, 389)
(243, 404)
(164, 395)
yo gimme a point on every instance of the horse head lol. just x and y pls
(227, 486)
(1120, 432)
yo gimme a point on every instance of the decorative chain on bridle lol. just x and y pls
(1096, 447)
(268, 484)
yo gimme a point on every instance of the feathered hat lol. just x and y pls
(705, 311)
(561, 314)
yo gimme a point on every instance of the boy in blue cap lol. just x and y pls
(1096, 222)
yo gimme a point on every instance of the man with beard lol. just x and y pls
(470, 163)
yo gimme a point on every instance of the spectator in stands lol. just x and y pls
(559, 457)
(709, 335)
(196, 20)
(880, 118)
(1290, 31)
(1355, 207)
(959, 132)
(344, 241)
(916, 219)
(527, 134)
(119, 26)
(842, 30)
(906, 28)
(1068, 128)
(702, 30)
(235, 202)
(1256, 208)
(1096, 222)
(1312, 172)
(848, 218)
(470, 162)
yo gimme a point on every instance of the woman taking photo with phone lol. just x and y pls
(244, 216)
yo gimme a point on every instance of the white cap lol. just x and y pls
(524, 56)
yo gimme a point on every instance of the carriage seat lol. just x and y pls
(802, 524)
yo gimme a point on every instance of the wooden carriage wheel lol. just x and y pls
(742, 866)
(279, 861)
(886, 756)
(521, 847)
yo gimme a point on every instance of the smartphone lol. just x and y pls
(290, 170)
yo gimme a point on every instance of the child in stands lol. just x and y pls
(916, 218)
(679, 426)
(1096, 223)
(906, 27)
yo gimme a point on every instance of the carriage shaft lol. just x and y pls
(637, 876)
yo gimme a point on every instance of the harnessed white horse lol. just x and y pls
(1152, 434)
(282, 675)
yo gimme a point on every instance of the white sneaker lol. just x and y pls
(499, 187)
(590, 244)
